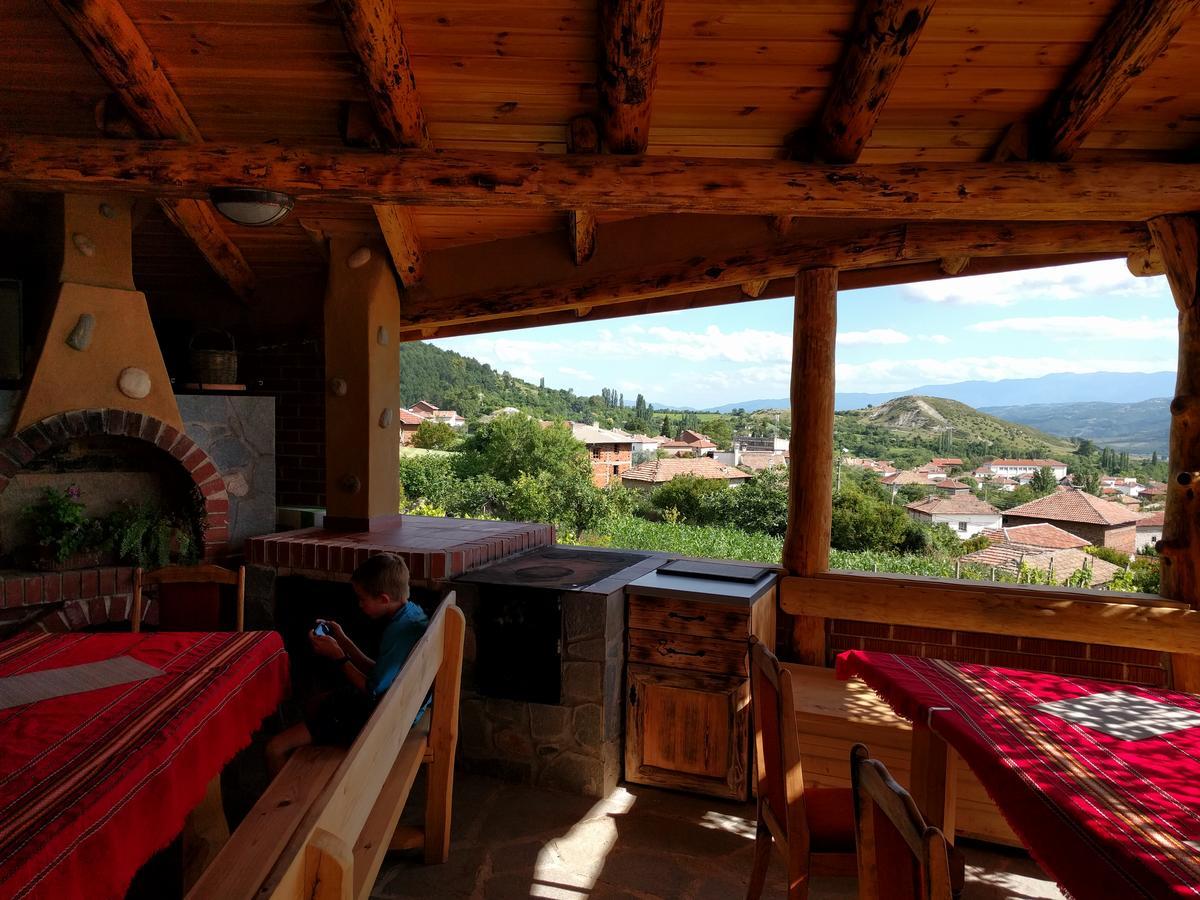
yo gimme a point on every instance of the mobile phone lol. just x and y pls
(321, 630)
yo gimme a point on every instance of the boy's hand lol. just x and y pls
(336, 632)
(325, 645)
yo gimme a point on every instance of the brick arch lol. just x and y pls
(21, 448)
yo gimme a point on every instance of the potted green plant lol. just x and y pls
(63, 535)
(146, 535)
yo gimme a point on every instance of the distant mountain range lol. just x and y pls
(1059, 388)
(1141, 427)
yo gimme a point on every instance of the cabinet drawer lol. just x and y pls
(685, 651)
(688, 617)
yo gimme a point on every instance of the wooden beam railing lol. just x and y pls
(1066, 614)
(1073, 192)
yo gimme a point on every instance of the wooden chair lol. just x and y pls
(899, 856)
(814, 828)
(189, 575)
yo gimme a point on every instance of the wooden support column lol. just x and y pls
(810, 476)
(362, 385)
(1178, 241)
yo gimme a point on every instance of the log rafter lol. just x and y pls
(1133, 191)
(885, 33)
(376, 38)
(582, 137)
(1135, 35)
(120, 55)
(630, 31)
(624, 281)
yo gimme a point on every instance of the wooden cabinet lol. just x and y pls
(687, 705)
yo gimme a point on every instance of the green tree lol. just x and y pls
(1043, 481)
(435, 436)
(761, 504)
(691, 497)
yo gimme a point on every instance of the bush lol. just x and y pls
(761, 504)
(692, 497)
(862, 523)
(435, 436)
(429, 478)
(1108, 554)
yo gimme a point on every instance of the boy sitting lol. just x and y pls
(381, 585)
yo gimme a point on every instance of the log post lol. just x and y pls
(810, 474)
(362, 379)
(1177, 239)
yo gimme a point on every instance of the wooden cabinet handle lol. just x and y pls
(684, 618)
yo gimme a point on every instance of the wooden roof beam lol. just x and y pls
(376, 38)
(582, 137)
(630, 31)
(848, 280)
(1135, 35)
(1131, 191)
(885, 33)
(623, 277)
(120, 55)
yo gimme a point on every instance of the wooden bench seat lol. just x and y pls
(833, 715)
(322, 827)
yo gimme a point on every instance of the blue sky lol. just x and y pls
(1091, 317)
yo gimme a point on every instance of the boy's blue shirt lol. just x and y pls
(399, 637)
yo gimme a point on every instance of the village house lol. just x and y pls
(1098, 521)
(946, 462)
(1039, 536)
(1059, 564)
(409, 423)
(650, 475)
(612, 453)
(429, 412)
(689, 441)
(966, 515)
(881, 467)
(1149, 530)
(951, 487)
(641, 443)
(1014, 468)
(897, 480)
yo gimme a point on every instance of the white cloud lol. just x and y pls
(577, 373)
(1108, 278)
(901, 374)
(1071, 328)
(873, 336)
(933, 338)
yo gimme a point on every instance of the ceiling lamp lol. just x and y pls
(251, 206)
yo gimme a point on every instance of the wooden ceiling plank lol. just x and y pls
(119, 53)
(734, 266)
(375, 36)
(630, 31)
(1134, 36)
(962, 191)
(885, 33)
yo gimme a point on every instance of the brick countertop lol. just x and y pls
(434, 548)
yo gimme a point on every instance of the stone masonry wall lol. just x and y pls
(574, 746)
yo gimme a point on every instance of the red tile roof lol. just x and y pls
(1065, 562)
(1040, 463)
(951, 484)
(409, 418)
(657, 471)
(947, 461)
(964, 505)
(1151, 520)
(1074, 506)
(1037, 534)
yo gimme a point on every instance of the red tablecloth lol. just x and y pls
(92, 784)
(1103, 815)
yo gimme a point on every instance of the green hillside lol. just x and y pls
(1141, 427)
(917, 428)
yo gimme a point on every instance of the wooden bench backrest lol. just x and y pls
(319, 859)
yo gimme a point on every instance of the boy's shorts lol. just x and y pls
(340, 716)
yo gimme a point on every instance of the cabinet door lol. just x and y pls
(687, 730)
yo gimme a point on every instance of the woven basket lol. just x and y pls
(210, 366)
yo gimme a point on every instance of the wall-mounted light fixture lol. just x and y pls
(251, 206)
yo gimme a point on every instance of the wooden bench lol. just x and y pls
(832, 716)
(321, 829)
